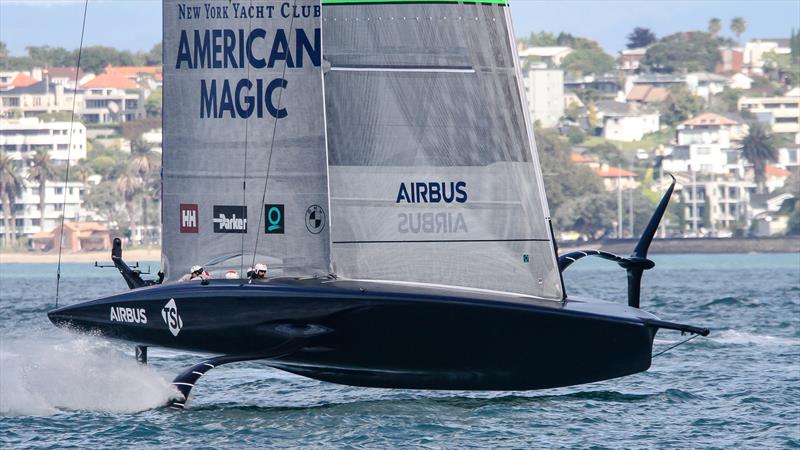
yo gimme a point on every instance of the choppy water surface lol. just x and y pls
(738, 387)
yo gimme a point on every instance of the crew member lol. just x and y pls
(196, 273)
(259, 272)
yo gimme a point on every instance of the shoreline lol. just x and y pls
(784, 244)
(132, 255)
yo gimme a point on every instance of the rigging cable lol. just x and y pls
(244, 163)
(69, 149)
(676, 345)
(271, 148)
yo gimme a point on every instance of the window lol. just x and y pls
(36, 222)
(59, 191)
(20, 222)
(786, 120)
(62, 146)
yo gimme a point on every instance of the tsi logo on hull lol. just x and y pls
(171, 317)
(129, 315)
(230, 219)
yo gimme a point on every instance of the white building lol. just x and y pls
(553, 56)
(113, 99)
(545, 91)
(27, 216)
(784, 111)
(704, 84)
(626, 122)
(755, 50)
(716, 207)
(20, 138)
(40, 97)
(707, 144)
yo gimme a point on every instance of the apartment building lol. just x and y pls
(783, 112)
(37, 98)
(715, 206)
(58, 198)
(545, 91)
(20, 138)
(707, 144)
(111, 98)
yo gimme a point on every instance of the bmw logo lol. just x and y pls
(315, 219)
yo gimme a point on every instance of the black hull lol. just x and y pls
(383, 334)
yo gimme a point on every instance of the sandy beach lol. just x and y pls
(133, 255)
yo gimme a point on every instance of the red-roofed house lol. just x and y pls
(19, 80)
(645, 94)
(708, 144)
(78, 236)
(776, 177)
(113, 98)
(615, 177)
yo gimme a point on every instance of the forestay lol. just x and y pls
(433, 172)
(234, 74)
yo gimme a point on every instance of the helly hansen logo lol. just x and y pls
(189, 218)
(230, 219)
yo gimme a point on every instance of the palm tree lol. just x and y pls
(738, 26)
(143, 162)
(10, 188)
(127, 185)
(758, 149)
(40, 170)
(714, 25)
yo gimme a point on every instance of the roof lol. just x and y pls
(20, 80)
(110, 81)
(544, 51)
(709, 120)
(659, 78)
(648, 94)
(707, 76)
(774, 171)
(612, 172)
(38, 88)
(578, 158)
(611, 108)
(85, 226)
(64, 72)
(131, 71)
(782, 42)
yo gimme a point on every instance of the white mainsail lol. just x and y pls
(433, 171)
(244, 163)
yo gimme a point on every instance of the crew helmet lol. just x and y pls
(260, 268)
(196, 269)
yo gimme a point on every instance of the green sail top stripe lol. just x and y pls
(355, 2)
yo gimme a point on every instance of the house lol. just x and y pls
(757, 49)
(776, 177)
(655, 80)
(553, 56)
(771, 213)
(625, 121)
(731, 60)
(113, 98)
(740, 81)
(77, 237)
(630, 59)
(707, 144)
(789, 157)
(615, 178)
(19, 138)
(65, 76)
(705, 84)
(11, 80)
(602, 83)
(782, 112)
(645, 94)
(545, 91)
(37, 98)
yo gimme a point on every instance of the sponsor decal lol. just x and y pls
(432, 192)
(274, 219)
(315, 219)
(189, 218)
(442, 222)
(171, 317)
(129, 315)
(230, 219)
(526, 259)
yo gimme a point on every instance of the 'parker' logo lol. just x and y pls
(171, 317)
(230, 219)
(189, 218)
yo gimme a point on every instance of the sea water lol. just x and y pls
(739, 387)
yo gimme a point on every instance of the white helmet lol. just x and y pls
(231, 275)
(260, 267)
(196, 268)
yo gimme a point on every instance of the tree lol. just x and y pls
(682, 106)
(758, 149)
(640, 37)
(153, 103)
(153, 57)
(738, 27)
(127, 185)
(10, 188)
(542, 39)
(693, 51)
(588, 61)
(714, 25)
(142, 163)
(41, 169)
(3, 50)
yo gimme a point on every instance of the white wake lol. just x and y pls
(42, 376)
